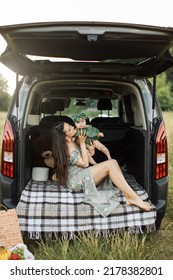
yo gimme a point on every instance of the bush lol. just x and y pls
(4, 96)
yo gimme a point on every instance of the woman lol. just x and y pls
(73, 170)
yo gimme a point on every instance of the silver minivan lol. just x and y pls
(101, 69)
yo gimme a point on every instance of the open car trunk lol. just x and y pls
(63, 213)
(125, 132)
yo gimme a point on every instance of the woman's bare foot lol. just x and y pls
(139, 202)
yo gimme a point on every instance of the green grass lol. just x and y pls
(2, 120)
(89, 247)
(152, 246)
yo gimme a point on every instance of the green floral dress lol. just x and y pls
(103, 197)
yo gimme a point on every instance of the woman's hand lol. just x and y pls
(84, 160)
(91, 148)
(82, 136)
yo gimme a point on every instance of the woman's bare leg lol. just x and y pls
(112, 169)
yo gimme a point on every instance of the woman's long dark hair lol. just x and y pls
(60, 153)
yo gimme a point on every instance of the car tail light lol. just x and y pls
(7, 164)
(161, 152)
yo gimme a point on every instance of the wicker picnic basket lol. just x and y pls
(10, 233)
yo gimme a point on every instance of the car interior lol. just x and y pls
(114, 110)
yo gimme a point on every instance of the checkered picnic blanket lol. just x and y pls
(45, 208)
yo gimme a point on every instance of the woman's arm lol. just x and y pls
(91, 160)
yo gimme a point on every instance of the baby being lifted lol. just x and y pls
(92, 133)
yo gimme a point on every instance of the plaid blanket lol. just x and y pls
(45, 208)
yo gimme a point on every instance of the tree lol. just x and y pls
(4, 95)
(169, 75)
(164, 92)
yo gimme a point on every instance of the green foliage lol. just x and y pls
(125, 246)
(88, 246)
(89, 107)
(165, 92)
(4, 96)
(169, 75)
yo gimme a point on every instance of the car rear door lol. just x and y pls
(121, 48)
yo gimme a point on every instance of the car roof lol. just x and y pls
(122, 48)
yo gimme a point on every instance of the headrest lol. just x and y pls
(104, 104)
(58, 104)
(48, 107)
(52, 120)
(52, 106)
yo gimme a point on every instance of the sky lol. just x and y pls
(152, 12)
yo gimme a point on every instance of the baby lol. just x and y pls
(92, 133)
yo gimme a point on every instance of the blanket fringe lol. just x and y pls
(98, 233)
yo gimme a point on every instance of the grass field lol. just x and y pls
(2, 120)
(153, 246)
